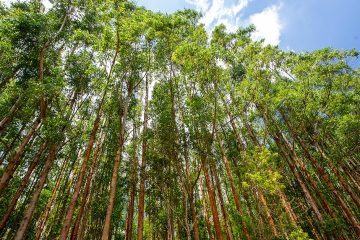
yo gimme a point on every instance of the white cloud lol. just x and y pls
(267, 25)
(215, 12)
(267, 22)
(202, 5)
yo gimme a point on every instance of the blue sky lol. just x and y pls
(299, 25)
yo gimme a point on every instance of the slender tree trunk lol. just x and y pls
(234, 192)
(85, 194)
(50, 202)
(20, 234)
(323, 175)
(132, 188)
(141, 208)
(186, 213)
(212, 199)
(336, 171)
(206, 214)
(118, 157)
(15, 159)
(223, 209)
(194, 216)
(289, 210)
(298, 177)
(267, 212)
(22, 186)
(7, 119)
(67, 221)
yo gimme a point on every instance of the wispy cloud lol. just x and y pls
(215, 12)
(268, 25)
(201, 5)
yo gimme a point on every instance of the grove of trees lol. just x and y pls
(120, 123)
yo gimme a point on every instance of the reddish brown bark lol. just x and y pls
(324, 176)
(16, 158)
(267, 212)
(67, 221)
(194, 217)
(22, 186)
(20, 234)
(225, 216)
(299, 179)
(337, 170)
(50, 202)
(234, 192)
(74, 234)
(206, 214)
(212, 200)
(289, 210)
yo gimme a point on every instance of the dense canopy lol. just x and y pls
(120, 123)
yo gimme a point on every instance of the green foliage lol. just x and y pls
(299, 234)
(260, 171)
(279, 129)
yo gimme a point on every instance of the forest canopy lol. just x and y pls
(117, 122)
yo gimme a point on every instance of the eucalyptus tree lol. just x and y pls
(118, 122)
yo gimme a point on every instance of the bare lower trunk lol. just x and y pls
(206, 214)
(22, 186)
(234, 192)
(15, 159)
(229, 234)
(50, 202)
(118, 157)
(20, 234)
(212, 200)
(141, 207)
(85, 194)
(132, 189)
(67, 221)
(269, 218)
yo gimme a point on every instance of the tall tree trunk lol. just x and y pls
(212, 200)
(186, 212)
(67, 221)
(20, 234)
(141, 208)
(299, 179)
(233, 190)
(229, 234)
(267, 212)
(118, 157)
(85, 194)
(22, 186)
(51, 200)
(132, 188)
(323, 175)
(15, 159)
(289, 210)
(206, 214)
